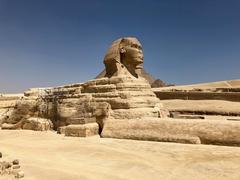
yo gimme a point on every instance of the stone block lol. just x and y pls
(175, 130)
(81, 120)
(37, 124)
(84, 130)
(61, 130)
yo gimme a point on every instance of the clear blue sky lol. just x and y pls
(55, 42)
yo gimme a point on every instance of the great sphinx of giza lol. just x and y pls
(122, 94)
(124, 58)
(75, 109)
(119, 105)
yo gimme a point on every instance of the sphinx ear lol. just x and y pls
(122, 50)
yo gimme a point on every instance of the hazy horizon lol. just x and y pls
(54, 42)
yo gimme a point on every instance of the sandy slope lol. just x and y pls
(46, 155)
(210, 85)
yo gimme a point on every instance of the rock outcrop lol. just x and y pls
(32, 123)
(7, 104)
(26, 113)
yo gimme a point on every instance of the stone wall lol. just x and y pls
(194, 95)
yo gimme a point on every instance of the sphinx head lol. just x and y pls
(124, 56)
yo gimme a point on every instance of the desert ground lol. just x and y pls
(47, 155)
(205, 86)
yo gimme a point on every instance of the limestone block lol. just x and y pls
(106, 95)
(133, 86)
(22, 110)
(90, 83)
(35, 92)
(72, 102)
(81, 120)
(102, 81)
(118, 103)
(126, 79)
(163, 113)
(61, 130)
(71, 107)
(214, 107)
(100, 88)
(102, 109)
(37, 124)
(135, 113)
(84, 130)
(66, 112)
(127, 94)
(175, 130)
(75, 85)
(119, 79)
(7, 103)
(9, 126)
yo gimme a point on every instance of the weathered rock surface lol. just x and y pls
(98, 100)
(85, 130)
(7, 103)
(26, 112)
(32, 123)
(175, 130)
(203, 107)
(37, 124)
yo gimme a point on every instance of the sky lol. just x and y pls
(54, 42)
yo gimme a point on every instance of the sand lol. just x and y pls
(203, 86)
(49, 156)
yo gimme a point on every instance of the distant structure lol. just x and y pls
(143, 74)
(155, 83)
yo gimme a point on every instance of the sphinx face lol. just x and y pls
(132, 57)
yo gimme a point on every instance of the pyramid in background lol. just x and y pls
(152, 81)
